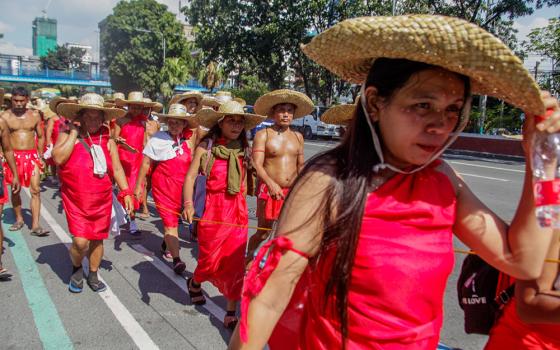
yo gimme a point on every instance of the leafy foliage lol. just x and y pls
(65, 58)
(546, 42)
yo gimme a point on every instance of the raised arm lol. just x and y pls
(303, 225)
(65, 145)
(520, 249)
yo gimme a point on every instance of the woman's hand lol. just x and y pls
(188, 212)
(550, 125)
(129, 205)
(138, 193)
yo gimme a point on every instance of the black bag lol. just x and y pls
(476, 290)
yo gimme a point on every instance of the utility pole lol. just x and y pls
(537, 68)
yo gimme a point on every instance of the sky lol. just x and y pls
(78, 19)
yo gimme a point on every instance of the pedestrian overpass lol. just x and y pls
(86, 79)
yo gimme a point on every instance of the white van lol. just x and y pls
(311, 125)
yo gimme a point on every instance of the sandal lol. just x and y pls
(164, 252)
(143, 215)
(16, 226)
(179, 267)
(39, 232)
(197, 298)
(4, 274)
(230, 320)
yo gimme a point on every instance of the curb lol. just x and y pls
(504, 157)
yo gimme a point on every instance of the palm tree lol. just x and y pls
(174, 72)
(212, 76)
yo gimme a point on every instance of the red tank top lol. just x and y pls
(403, 259)
(133, 133)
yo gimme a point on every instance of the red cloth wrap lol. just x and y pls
(25, 162)
(221, 258)
(168, 178)
(86, 197)
(273, 207)
(133, 134)
(258, 275)
(510, 332)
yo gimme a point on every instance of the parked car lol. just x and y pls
(311, 125)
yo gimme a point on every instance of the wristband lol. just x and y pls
(124, 193)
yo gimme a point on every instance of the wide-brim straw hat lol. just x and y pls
(240, 101)
(340, 114)
(48, 113)
(176, 111)
(208, 117)
(53, 104)
(266, 102)
(185, 96)
(349, 48)
(89, 101)
(134, 98)
(157, 107)
(210, 101)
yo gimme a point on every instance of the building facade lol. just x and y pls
(44, 36)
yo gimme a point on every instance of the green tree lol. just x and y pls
(65, 58)
(211, 76)
(174, 72)
(134, 45)
(250, 89)
(545, 41)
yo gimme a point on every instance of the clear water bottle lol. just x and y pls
(546, 178)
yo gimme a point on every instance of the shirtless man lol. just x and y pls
(11, 162)
(27, 140)
(277, 156)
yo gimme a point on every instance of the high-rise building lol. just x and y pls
(44, 35)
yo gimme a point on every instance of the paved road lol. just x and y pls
(146, 305)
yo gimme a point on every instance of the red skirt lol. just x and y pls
(25, 162)
(221, 258)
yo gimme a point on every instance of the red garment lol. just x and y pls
(511, 333)
(167, 185)
(273, 207)
(87, 198)
(405, 244)
(6, 197)
(25, 162)
(56, 128)
(133, 133)
(222, 248)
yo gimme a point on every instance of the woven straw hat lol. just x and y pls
(266, 102)
(89, 101)
(223, 97)
(157, 107)
(208, 117)
(349, 48)
(341, 114)
(240, 101)
(210, 101)
(136, 98)
(56, 101)
(7, 96)
(186, 95)
(176, 111)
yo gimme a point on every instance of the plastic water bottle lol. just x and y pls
(546, 177)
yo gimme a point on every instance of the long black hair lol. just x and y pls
(352, 162)
(216, 132)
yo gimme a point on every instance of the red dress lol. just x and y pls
(87, 198)
(512, 333)
(133, 133)
(168, 178)
(405, 245)
(222, 248)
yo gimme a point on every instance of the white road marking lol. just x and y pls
(180, 281)
(125, 318)
(484, 177)
(487, 167)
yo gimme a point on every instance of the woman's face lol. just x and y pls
(175, 126)
(91, 120)
(416, 121)
(191, 104)
(232, 126)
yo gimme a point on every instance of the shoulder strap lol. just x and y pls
(87, 147)
(505, 296)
